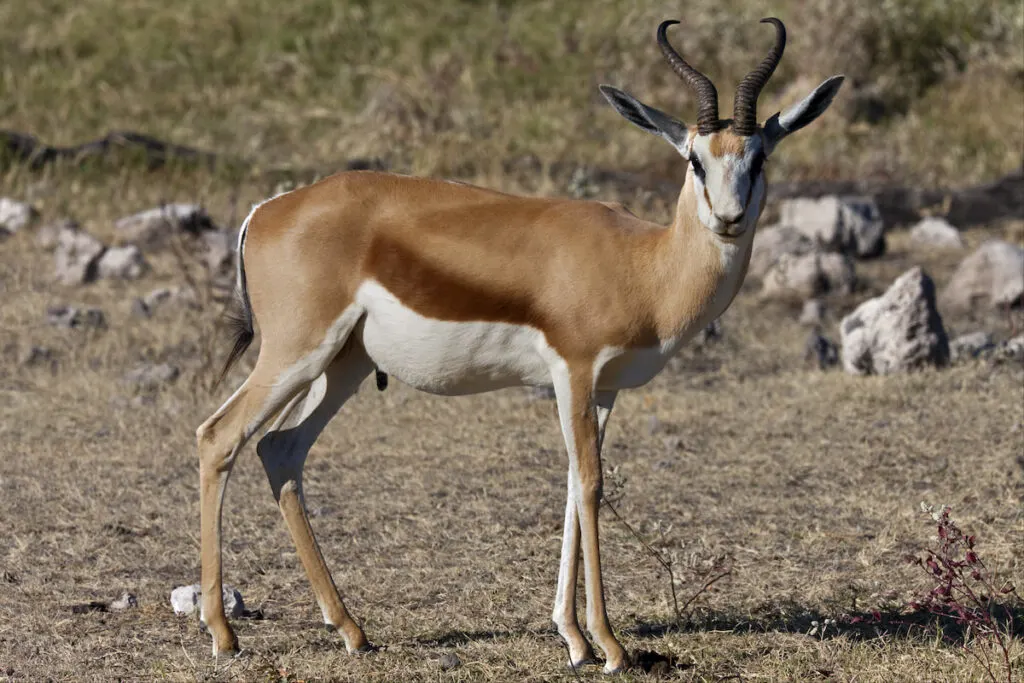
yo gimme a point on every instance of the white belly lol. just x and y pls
(628, 368)
(449, 358)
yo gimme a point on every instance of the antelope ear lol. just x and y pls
(802, 113)
(648, 118)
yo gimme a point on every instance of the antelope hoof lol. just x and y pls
(225, 643)
(611, 668)
(585, 661)
(364, 649)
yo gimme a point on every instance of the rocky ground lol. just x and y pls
(865, 369)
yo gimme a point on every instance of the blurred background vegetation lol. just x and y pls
(934, 96)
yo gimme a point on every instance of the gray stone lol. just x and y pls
(126, 601)
(165, 297)
(76, 257)
(936, 233)
(968, 346)
(122, 263)
(1011, 350)
(771, 243)
(838, 272)
(219, 253)
(852, 225)
(813, 313)
(151, 376)
(821, 350)
(155, 227)
(76, 318)
(541, 393)
(47, 236)
(992, 276)
(185, 600)
(14, 215)
(710, 334)
(449, 661)
(809, 275)
(896, 332)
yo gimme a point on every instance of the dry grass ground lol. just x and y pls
(441, 517)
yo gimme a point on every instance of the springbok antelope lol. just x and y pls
(455, 289)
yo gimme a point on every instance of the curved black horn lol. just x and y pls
(744, 109)
(707, 96)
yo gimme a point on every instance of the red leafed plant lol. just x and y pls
(965, 592)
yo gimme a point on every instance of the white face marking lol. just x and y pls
(734, 184)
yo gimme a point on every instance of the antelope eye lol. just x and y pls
(698, 170)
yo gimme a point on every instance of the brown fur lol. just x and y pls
(587, 274)
(726, 142)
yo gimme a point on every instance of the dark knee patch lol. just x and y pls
(382, 380)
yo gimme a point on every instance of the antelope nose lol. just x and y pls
(730, 217)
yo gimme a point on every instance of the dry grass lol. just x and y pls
(439, 87)
(441, 517)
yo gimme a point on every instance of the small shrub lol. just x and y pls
(965, 592)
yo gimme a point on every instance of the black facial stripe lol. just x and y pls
(757, 164)
(698, 168)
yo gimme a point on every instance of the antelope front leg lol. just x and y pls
(564, 614)
(577, 413)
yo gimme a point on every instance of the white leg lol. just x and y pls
(564, 613)
(577, 412)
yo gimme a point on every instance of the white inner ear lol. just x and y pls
(687, 147)
(789, 116)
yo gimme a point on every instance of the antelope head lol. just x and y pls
(726, 157)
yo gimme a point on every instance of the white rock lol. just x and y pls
(165, 297)
(48, 235)
(154, 227)
(818, 219)
(541, 393)
(126, 601)
(992, 276)
(76, 257)
(771, 243)
(936, 233)
(76, 318)
(14, 215)
(968, 346)
(838, 273)
(898, 331)
(1011, 350)
(809, 275)
(185, 600)
(852, 225)
(123, 263)
(219, 254)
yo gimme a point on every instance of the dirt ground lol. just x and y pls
(441, 518)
